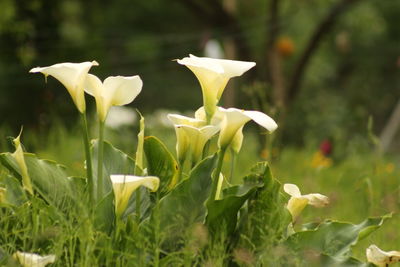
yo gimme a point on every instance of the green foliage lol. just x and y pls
(161, 163)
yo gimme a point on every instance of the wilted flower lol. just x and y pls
(213, 75)
(382, 258)
(72, 76)
(298, 202)
(125, 185)
(33, 260)
(114, 91)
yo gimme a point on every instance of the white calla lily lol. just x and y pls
(213, 75)
(235, 119)
(33, 260)
(192, 134)
(114, 91)
(382, 258)
(125, 185)
(298, 202)
(72, 76)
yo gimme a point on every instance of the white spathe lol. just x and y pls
(298, 202)
(233, 122)
(213, 75)
(114, 91)
(125, 185)
(382, 258)
(33, 260)
(72, 76)
(192, 134)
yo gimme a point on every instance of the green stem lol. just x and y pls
(233, 163)
(100, 161)
(89, 169)
(157, 231)
(217, 171)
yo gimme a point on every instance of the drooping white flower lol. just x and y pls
(213, 75)
(33, 260)
(298, 202)
(72, 76)
(192, 135)
(114, 91)
(382, 258)
(125, 185)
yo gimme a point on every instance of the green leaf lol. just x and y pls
(114, 162)
(185, 204)
(223, 213)
(160, 163)
(49, 179)
(334, 238)
(267, 217)
(15, 194)
(331, 261)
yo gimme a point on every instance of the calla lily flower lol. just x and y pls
(233, 122)
(192, 135)
(213, 75)
(18, 155)
(114, 91)
(33, 260)
(72, 76)
(298, 202)
(382, 258)
(125, 185)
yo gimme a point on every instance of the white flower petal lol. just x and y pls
(292, 190)
(382, 258)
(298, 202)
(213, 75)
(72, 76)
(125, 185)
(122, 90)
(33, 260)
(177, 119)
(317, 200)
(262, 119)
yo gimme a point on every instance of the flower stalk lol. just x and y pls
(89, 169)
(214, 190)
(100, 181)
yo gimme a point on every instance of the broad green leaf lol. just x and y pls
(267, 217)
(114, 162)
(185, 204)
(15, 194)
(160, 163)
(48, 178)
(331, 261)
(104, 213)
(223, 213)
(334, 238)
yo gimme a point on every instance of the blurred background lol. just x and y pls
(324, 68)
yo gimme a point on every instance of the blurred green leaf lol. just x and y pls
(49, 179)
(266, 213)
(160, 163)
(222, 214)
(185, 204)
(15, 194)
(334, 238)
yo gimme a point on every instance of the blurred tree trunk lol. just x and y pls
(390, 129)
